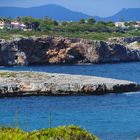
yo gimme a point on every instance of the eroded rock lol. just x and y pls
(49, 50)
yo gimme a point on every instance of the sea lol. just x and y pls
(110, 117)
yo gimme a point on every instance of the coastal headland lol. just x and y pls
(14, 84)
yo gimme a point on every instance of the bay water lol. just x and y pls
(110, 117)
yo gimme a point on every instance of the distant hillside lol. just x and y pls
(63, 14)
(53, 11)
(131, 14)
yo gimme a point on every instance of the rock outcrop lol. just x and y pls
(123, 40)
(34, 83)
(49, 50)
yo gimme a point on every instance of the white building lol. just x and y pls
(120, 24)
(22, 26)
(2, 24)
(15, 24)
(137, 25)
(128, 24)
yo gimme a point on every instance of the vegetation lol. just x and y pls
(7, 74)
(60, 133)
(138, 43)
(85, 28)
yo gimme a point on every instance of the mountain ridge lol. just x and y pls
(64, 14)
(42, 11)
(126, 14)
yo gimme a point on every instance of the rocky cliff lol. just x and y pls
(49, 50)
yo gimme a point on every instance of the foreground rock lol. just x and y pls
(49, 50)
(31, 83)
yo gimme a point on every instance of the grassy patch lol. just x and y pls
(7, 74)
(80, 33)
(138, 43)
(59, 133)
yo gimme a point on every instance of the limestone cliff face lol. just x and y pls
(49, 50)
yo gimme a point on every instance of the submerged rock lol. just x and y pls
(49, 50)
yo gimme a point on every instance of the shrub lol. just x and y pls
(59, 133)
(7, 74)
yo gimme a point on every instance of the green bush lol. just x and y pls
(7, 74)
(59, 133)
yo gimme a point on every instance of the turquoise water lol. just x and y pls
(111, 117)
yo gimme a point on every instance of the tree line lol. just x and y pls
(46, 24)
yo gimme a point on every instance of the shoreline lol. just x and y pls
(25, 83)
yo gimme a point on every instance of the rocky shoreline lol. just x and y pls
(14, 84)
(59, 50)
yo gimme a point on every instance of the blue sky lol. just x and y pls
(101, 8)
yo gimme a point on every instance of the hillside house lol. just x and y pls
(128, 24)
(23, 27)
(17, 25)
(2, 24)
(120, 24)
(137, 25)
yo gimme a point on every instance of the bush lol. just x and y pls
(59, 133)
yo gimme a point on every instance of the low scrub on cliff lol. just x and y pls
(59, 133)
(8, 35)
(7, 74)
(138, 43)
(85, 28)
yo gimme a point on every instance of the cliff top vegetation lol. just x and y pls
(85, 28)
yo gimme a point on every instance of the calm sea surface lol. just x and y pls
(111, 117)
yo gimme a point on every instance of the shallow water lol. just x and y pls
(111, 117)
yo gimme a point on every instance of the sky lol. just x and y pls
(102, 8)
